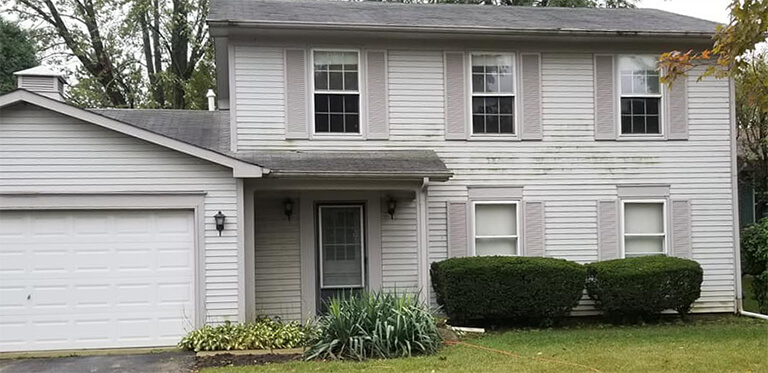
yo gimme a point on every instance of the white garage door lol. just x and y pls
(95, 279)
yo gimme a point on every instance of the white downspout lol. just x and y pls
(423, 240)
(736, 226)
(211, 100)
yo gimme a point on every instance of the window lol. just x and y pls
(644, 228)
(342, 248)
(496, 226)
(640, 96)
(493, 94)
(337, 94)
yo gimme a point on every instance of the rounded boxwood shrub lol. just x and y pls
(644, 286)
(754, 247)
(519, 289)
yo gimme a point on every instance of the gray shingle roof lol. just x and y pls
(210, 130)
(456, 17)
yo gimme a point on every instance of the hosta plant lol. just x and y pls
(262, 334)
(374, 325)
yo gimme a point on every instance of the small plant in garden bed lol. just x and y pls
(637, 288)
(507, 289)
(374, 325)
(262, 334)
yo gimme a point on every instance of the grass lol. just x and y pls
(722, 344)
(750, 303)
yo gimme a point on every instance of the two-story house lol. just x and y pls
(354, 144)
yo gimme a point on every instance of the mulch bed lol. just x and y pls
(228, 360)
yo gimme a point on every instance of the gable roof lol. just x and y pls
(239, 167)
(455, 17)
(211, 130)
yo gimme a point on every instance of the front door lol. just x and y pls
(341, 249)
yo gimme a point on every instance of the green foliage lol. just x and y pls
(374, 325)
(754, 248)
(644, 286)
(522, 289)
(17, 52)
(262, 334)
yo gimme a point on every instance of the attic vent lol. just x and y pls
(38, 83)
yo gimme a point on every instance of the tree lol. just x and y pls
(752, 124)
(139, 53)
(17, 52)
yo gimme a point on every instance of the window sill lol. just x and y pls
(337, 136)
(641, 138)
(491, 137)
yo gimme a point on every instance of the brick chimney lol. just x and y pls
(41, 80)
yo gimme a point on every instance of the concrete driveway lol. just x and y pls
(161, 362)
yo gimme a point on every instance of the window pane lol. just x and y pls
(478, 124)
(506, 124)
(652, 124)
(321, 123)
(339, 70)
(351, 104)
(626, 83)
(639, 75)
(652, 106)
(495, 220)
(492, 73)
(350, 81)
(491, 105)
(352, 123)
(643, 218)
(640, 115)
(505, 83)
(477, 82)
(337, 123)
(336, 81)
(321, 80)
(653, 82)
(626, 124)
(506, 105)
(638, 106)
(491, 83)
(478, 105)
(643, 245)
(337, 103)
(321, 103)
(495, 246)
(491, 124)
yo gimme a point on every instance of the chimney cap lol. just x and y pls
(40, 71)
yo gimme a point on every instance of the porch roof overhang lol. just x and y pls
(373, 164)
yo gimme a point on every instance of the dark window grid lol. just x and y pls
(636, 118)
(348, 72)
(492, 73)
(327, 119)
(631, 77)
(493, 121)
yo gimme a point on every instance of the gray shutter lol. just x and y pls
(457, 229)
(376, 79)
(534, 228)
(678, 110)
(455, 97)
(608, 229)
(681, 229)
(531, 129)
(297, 123)
(605, 99)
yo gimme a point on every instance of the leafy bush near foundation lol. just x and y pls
(262, 334)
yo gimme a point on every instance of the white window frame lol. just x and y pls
(471, 94)
(665, 227)
(517, 228)
(661, 96)
(314, 91)
(362, 246)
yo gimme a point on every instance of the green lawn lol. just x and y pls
(711, 345)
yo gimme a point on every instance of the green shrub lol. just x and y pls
(644, 286)
(263, 333)
(519, 289)
(374, 325)
(754, 248)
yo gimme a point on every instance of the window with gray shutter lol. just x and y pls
(337, 91)
(608, 229)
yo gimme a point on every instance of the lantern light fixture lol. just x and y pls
(219, 217)
(391, 207)
(288, 208)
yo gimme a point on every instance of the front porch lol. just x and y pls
(307, 238)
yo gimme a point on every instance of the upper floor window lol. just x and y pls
(493, 94)
(644, 228)
(640, 95)
(336, 90)
(495, 228)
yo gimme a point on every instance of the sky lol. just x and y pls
(713, 10)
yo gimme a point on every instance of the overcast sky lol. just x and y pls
(713, 10)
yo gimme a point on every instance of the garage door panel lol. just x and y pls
(95, 279)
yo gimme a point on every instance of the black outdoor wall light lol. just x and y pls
(288, 208)
(219, 217)
(391, 207)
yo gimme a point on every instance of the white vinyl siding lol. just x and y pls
(568, 170)
(45, 152)
(277, 260)
(399, 248)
